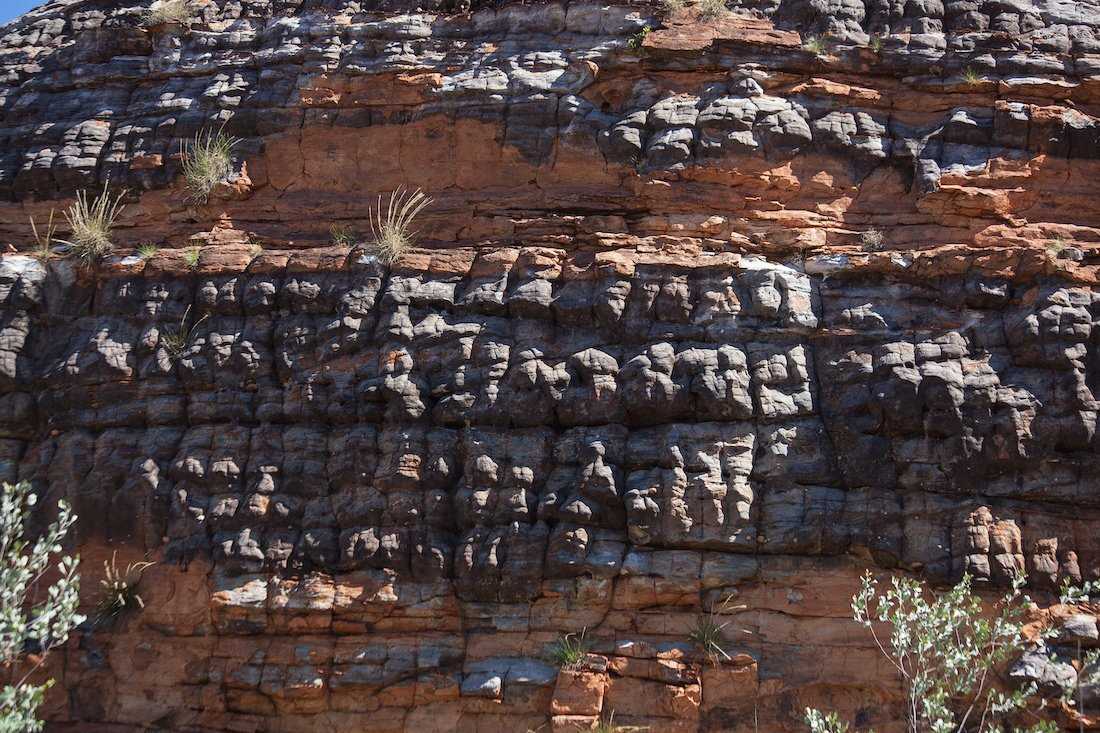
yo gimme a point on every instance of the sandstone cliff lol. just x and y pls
(706, 310)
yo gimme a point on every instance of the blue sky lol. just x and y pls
(11, 8)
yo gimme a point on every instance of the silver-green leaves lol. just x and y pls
(30, 618)
(946, 649)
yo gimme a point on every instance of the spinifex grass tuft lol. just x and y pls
(174, 339)
(971, 76)
(169, 11)
(90, 223)
(343, 235)
(44, 240)
(392, 230)
(120, 588)
(207, 161)
(570, 650)
(708, 633)
(191, 256)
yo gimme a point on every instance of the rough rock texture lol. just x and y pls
(649, 355)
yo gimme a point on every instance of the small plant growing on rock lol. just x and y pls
(814, 45)
(711, 9)
(191, 256)
(1056, 244)
(174, 340)
(570, 650)
(820, 722)
(707, 9)
(90, 223)
(708, 633)
(971, 76)
(875, 43)
(871, 239)
(207, 161)
(120, 588)
(168, 11)
(392, 231)
(636, 40)
(44, 240)
(1086, 664)
(146, 250)
(343, 235)
(608, 726)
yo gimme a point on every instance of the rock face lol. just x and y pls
(701, 313)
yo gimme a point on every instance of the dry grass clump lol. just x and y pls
(168, 11)
(871, 239)
(120, 588)
(708, 633)
(707, 9)
(44, 240)
(392, 231)
(207, 161)
(146, 250)
(971, 76)
(607, 725)
(90, 223)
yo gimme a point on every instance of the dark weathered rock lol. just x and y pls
(703, 316)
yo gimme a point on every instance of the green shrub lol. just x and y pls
(636, 40)
(32, 617)
(945, 650)
(820, 722)
(1085, 662)
(146, 250)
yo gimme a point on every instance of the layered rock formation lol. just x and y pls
(703, 314)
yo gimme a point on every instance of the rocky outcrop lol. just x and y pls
(389, 491)
(703, 313)
(939, 124)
